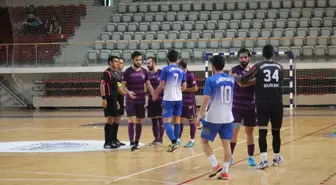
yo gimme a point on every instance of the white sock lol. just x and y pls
(225, 167)
(213, 160)
(275, 156)
(263, 156)
(192, 140)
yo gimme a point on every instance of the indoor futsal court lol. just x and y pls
(308, 148)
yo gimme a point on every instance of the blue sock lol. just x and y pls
(169, 131)
(177, 130)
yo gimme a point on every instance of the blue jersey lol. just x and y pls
(220, 89)
(173, 76)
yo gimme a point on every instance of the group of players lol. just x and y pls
(230, 100)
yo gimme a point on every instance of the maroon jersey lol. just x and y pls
(154, 79)
(136, 81)
(189, 98)
(243, 97)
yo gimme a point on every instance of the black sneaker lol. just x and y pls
(135, 146)
(132, 143)
(120, 143)
(114, 144)
(107, 146)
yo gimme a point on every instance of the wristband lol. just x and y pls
(104, 97)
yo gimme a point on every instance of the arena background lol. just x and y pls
(41, 69)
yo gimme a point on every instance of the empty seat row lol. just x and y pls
(225, 15)
(216, 43)
(228, 33)
(198, 54)
(221, 25)
(221, 5)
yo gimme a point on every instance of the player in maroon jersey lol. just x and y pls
(189, 104)
(243, 107)
(155, 107)
(135, 78)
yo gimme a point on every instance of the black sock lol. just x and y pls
(116, 129)
(107, 133)
(174, 141)
(112, 132)
(276, 141)
(262, 140)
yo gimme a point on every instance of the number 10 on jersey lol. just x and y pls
(226, 94)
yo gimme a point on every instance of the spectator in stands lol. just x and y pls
(32, 22)
(53, 26)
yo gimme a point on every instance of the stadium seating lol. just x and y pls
(68, 17)
(308, 28)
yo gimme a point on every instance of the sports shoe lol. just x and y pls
(262, 165)
(277, 161)
(190, 144)
(120, 143)
(223, 176)
(215, 170)
(172, 147)
(135, 146)
(132, 143)
(154, 143)
(251, 161)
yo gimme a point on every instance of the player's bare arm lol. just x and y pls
(205, 103)
(102, 91)
(248, 83)
(249, 76)
(158, 90)
(130, 93)
(149, 87)
(184, 86)
(191, 89)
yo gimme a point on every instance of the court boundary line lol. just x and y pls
(239, 161)
(108, 178)
(180, 160)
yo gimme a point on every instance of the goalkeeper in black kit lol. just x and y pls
(268, 97)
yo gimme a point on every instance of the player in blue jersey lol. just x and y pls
(173, 81)
(216, 115)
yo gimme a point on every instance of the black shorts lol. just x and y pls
(112, 108)
(120, 100)
(154, 109)
(269, 112)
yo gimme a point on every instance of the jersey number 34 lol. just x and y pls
(226, 94)
(269, 76)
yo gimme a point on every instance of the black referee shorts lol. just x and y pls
(269, 112)
(120, 100)
(112, 108)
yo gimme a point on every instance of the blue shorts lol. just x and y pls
(171, 108)
(210, 130)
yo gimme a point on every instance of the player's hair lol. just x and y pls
(183, 63)
(244, 50)
(172, 55)
(121, 59)
(111, 58)
(153, 59)
(136, 54)
(268, 51)
(218, 62)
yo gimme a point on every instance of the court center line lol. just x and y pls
(239, 161)
(178, 161)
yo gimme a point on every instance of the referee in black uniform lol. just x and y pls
(109, 89)
(268, 97)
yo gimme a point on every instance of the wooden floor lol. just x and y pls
(309, 155)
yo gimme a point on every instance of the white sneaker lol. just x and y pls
(277, 161)
(262, 165)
